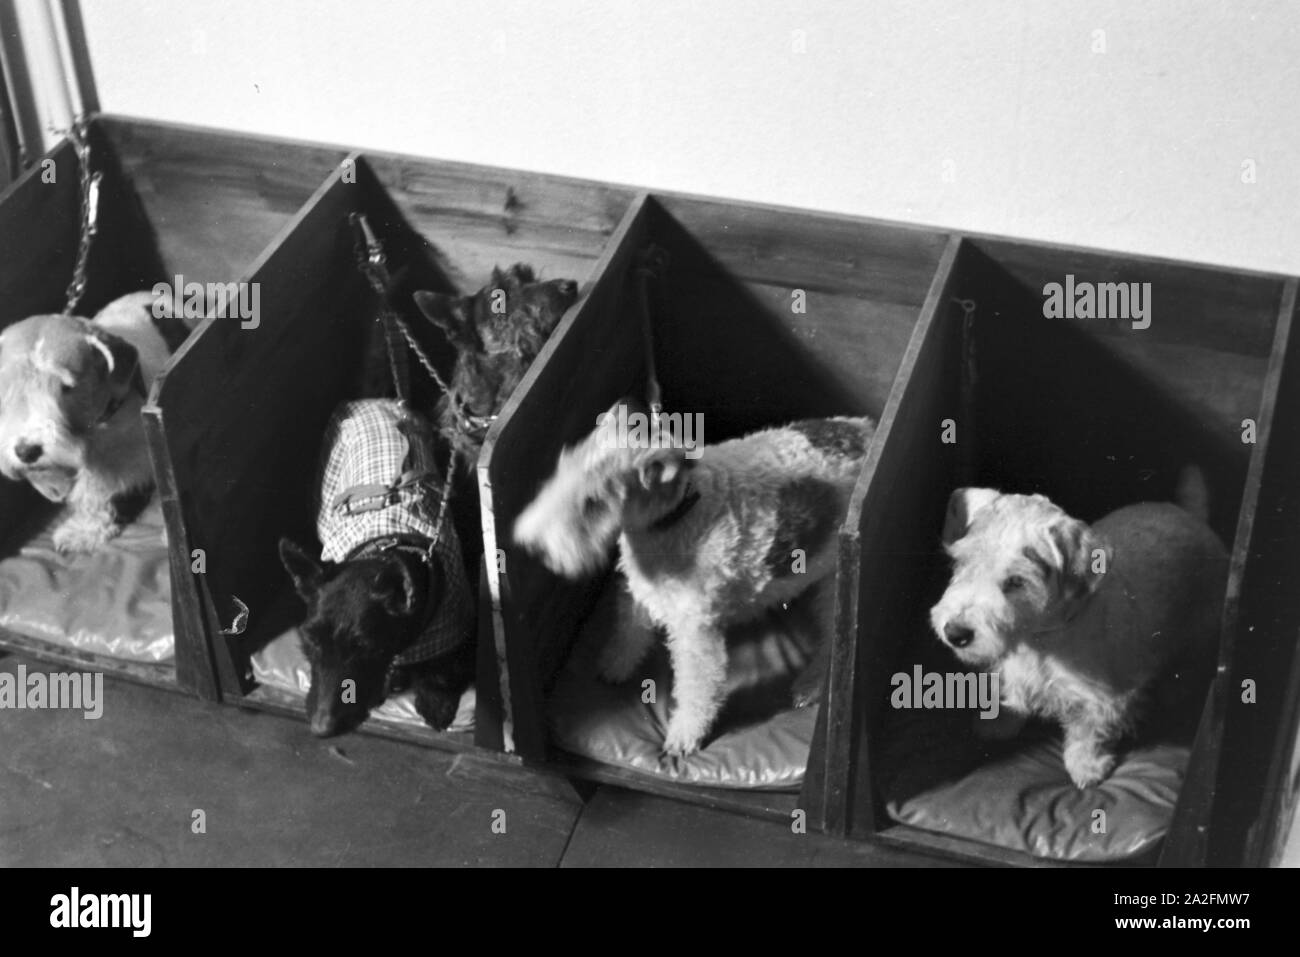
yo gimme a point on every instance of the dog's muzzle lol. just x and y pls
(959, 636)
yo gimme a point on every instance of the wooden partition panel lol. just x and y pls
(1261, 769)
(889, 531)
(38, 231)
(1237, 741)
(595, 355)
(238, 416)
(216, 198)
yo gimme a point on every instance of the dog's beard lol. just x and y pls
(53, 483)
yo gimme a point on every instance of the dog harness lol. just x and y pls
(374, 497)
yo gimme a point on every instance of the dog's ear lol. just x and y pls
(1082, 555)
(451, 314)
(120, 360)
(306, 572)
(394, 588)
(963, 503)
(661, 467)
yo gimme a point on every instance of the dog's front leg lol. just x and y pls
(699, 658)
(810, 685)
(436, 702)
(91, 522)
(1089, 753)
(634, 636)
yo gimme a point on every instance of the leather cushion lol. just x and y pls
(759, 742)
(937, 776)
(115, 601)
(281, 664)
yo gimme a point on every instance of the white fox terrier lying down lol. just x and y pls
(1086, 625)
(705, 542)
(71, 391)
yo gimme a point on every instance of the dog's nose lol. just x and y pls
(959, 636)
(568, 287)
(28, 452)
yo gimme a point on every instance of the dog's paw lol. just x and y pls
(806, 692)
(1088, 767)
(437, 707)
(681, 742)
(79, 535)
(810, 685)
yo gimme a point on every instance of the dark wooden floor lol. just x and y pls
(125, 789)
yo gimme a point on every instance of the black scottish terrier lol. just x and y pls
(362, 615)
(367, 613)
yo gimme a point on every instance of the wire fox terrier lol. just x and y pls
(1086, 625)
(705, 542)
(71, 391)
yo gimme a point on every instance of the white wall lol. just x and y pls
(992, 116)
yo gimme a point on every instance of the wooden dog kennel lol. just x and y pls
(917, 327)
(1095, 414)
(251, 405)
(758, 317)
(172, 202)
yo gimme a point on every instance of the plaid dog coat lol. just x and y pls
(372, 489)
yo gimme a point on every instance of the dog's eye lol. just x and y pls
(1012, 583)
(591, 505)
(65, 387)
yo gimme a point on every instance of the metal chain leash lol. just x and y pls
(373, 263)
(89, 182)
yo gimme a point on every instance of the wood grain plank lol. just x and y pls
(888, 518)
(38, 229)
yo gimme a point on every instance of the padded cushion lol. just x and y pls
(115, 601)
(939, 777)
(759, 741)
(281, 664)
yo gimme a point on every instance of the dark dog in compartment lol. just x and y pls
(388, 604)
(497, 333)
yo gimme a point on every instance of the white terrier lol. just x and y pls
(704, 543)
(71, 391)
(1079, 621)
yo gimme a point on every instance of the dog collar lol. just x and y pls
(434, 640)
(418, 544)
(688, 502)
(471, 424)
